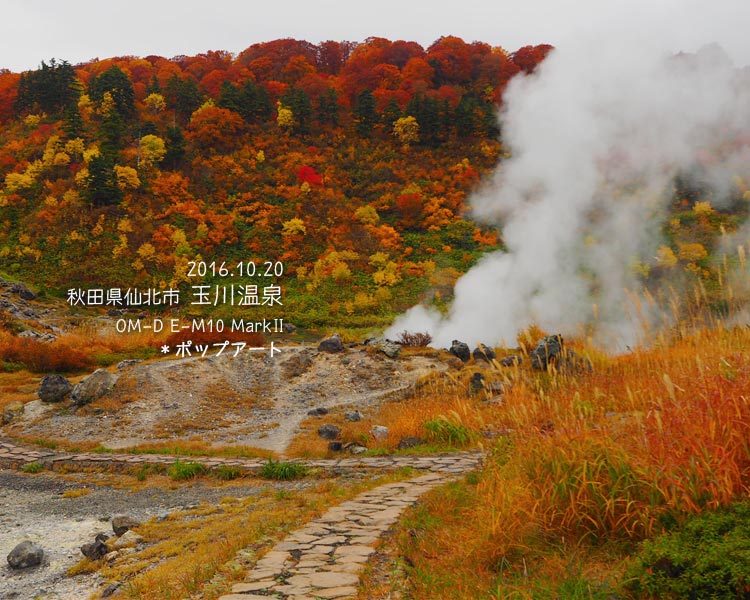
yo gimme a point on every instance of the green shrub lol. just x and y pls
(709, 557)
(446, 431)
(32, 467)
(181, 471)
(282, 470)
(227, 473)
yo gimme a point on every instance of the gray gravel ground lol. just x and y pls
(32, 507)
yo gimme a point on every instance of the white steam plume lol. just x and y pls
(597, 135)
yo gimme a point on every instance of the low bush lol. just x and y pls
(181, 471)
(709, 557)
(283, 470)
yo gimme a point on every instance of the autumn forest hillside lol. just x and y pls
(350, 163)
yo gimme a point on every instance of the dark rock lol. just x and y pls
(335, 446)
(12, 411)
(461, 350)
(54, 388)
(110, 589)
(123, 523)
(95, 550)
(332, 344)
(289, 328)
(511, 361)
(115, 312)
(476, 383)
(93, 387)
(353, 416)
(329, 431)
(24, 555)
(317, 412)
(482, 352)
(571, 363)
(546, 352)
(23, 291)
(409, 442)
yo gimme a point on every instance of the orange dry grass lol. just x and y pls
(19, 386)
(655, 436)
(615, 456)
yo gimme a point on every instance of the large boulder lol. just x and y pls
(24, 292)
(123, 523)
(93, 387)
(329, 431)
(546, 352)
(388, 347)
(54, 388)
(332, 344)
(482, 352)
(461, 350)
(24, 555)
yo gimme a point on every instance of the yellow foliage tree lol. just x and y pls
(155, 103)
(293, 226)
(692, 252)
(127, 178)
(152, 149)
(367, 215)
(406, 130)
(284, 116)
(666, 257)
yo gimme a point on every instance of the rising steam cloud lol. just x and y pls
(597, 136)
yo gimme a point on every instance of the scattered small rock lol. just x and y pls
(476, 383)
(354, 448)
(572, 364)
(36, 335)
(93, 387)
(123, 523)
(353, 416)
(54, 388)
(409, 442)
(96, 549)
(329, 431)
(332, 344)
(461, 350)
(379, 432)
(318, 412)
(110, 589)
(127, 540)
(12, 410)
(124, 364)
(482, 352)
(511, 361)
(546, 351)
(335, 446)
(24, 555)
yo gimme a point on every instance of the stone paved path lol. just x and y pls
(15, 455)
(324, 558)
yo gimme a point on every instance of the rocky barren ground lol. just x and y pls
(250, 399)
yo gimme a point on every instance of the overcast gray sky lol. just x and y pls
(79, 30)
